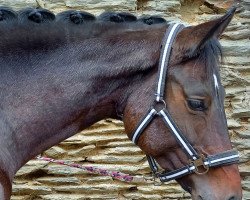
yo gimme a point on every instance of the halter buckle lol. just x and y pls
(200, 166)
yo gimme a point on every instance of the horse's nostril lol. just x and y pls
(232, 198)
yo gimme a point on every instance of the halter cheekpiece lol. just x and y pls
(198, 163)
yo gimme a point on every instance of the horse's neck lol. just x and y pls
(72, 87)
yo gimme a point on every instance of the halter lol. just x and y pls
(198, 163)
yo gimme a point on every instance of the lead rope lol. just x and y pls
(96, 170)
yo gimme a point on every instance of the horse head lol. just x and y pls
(194, 98)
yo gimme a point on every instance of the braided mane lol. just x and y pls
(40, 16)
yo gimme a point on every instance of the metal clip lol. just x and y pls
(198, 164)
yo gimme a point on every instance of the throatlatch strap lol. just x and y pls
(220, 159)
(165, 57)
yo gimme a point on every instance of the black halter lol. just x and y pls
(198, 163)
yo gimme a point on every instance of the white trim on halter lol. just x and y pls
(177, 134)
(148, 117)
(222, 159)
(167, 46)
(177, 174)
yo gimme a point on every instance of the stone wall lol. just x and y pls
(105, 144)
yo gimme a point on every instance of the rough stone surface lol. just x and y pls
(105, 143)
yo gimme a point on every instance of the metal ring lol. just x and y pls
(198, 163)
(159, 105)
(200, 172)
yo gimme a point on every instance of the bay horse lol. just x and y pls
(60, 74)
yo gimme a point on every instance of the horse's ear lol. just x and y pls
(192, 39)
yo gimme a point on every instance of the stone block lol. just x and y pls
(238, 35)
(233, 123)
(104, 4)
(28, 189)
(55, 152)
(240, 113)
(59, 181)
(31, 167)
(235, 48)
(17, 4)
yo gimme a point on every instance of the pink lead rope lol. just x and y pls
(94, 170)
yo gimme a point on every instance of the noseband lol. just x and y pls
(198, 163)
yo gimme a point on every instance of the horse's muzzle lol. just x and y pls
(223, 183)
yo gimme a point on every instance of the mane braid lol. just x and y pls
(75, 17)
(117, 17)
(152, 20)
(35, 15)
(7, 14)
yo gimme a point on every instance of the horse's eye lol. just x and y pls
(196, 104)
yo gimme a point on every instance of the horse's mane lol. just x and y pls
(43, 19)
(41, 27)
